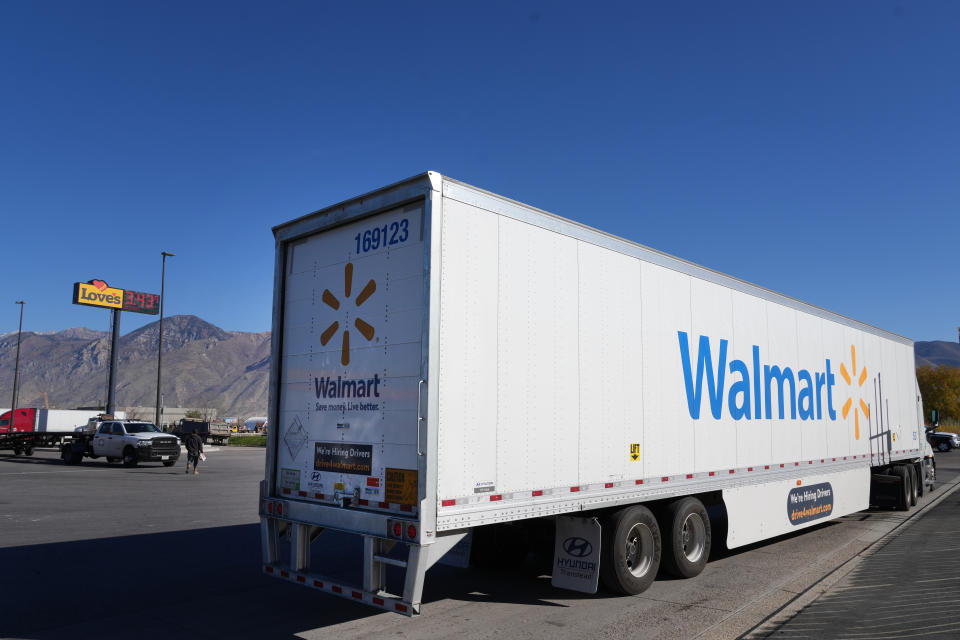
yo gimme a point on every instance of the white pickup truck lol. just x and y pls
(131, 441)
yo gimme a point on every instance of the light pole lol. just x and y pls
(16, 369)
(163, 273)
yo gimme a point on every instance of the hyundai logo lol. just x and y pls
(577, 547)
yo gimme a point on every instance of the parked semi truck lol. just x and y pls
(30, 428)
(448, 361)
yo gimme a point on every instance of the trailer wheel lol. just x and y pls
(932, 475)
(919, 481)
(630, 550)
(129, 457)
(687, 536)
(914, 485)
(905, 489)
(28, 451)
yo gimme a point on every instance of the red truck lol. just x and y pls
(32, 428)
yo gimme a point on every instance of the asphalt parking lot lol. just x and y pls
(102, 551)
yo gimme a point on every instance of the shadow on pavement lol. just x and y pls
(207, 583)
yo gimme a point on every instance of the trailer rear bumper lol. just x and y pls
(297, 569)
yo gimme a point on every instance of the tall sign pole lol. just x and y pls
(163, 273)
(114, 352)
(97, 293)
(16, 369)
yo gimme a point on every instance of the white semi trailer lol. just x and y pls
(446, 359)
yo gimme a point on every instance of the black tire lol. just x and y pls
(28, 451)
(686, 537)
(630, 550)
(919, 482)
(112, 459)
(943, 446)
(169, 463)
(130, 457)
(17, 451)
(904, 490)
(932, 476)
(914, 481)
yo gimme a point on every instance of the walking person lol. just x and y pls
(194, 444)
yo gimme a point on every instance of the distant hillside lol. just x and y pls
(203, 366)
(935, 353)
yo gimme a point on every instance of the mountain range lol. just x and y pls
(203, 366)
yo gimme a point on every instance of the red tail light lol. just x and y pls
(411, 532)
(397, 529)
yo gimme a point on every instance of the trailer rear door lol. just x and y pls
(350, 370)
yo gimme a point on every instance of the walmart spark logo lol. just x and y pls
(861, 405)
(331, 301)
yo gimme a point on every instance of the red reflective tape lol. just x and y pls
(363, 502)
(318, 584)
(406, 507)
(357, 595)
(765, 467)
(712, 474)
(378, 601)
(608, 485)
(733, 470)
(796, 464)
(496, 498)
(845, 457)
(834, 459)
(749, 468)
(269, 569)
(402, 608)
(665, 479)
(810, 462)
(781, 466)
(301, 579)
(639, 482)
(538, 492)
(287, 491)
(302, 494)
(574, 489)
(445, 503)
(336, 589)
(318, 496)
(821, 460)
(386, 505)
(285, 574)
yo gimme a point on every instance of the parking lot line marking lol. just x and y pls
(23, 473)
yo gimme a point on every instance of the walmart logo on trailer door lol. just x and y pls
(751, 391)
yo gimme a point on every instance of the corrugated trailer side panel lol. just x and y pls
(567, 364)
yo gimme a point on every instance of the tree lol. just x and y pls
(194, 414)
(940, 388)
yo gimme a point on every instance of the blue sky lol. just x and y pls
(812, 148)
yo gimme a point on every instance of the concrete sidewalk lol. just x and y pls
(906, 584)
